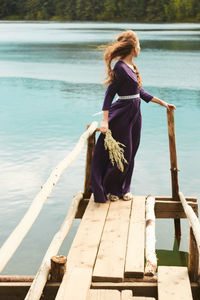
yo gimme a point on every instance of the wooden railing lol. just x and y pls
(18, 234)
(194, 253)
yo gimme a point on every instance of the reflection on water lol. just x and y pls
(51, 75)
(172, 257)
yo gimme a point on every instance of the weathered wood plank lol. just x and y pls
(168, 198)
(80, 276)
(173, 283)
(104, 295)
(110, 261)
(126, 295)
(143, 298)
(173, 209)
(84, 248)
(85, 244)
(172, 205)
(171, 215)
(134, 266)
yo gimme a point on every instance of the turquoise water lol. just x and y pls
(50, 82)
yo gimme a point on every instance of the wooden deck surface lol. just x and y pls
(109, 247)
(106, 258)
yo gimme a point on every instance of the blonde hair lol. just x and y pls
(119, 49)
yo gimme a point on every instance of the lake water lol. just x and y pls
(50, 82)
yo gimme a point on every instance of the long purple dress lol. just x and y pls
(125, 123)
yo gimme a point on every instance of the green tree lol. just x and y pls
(156, 10)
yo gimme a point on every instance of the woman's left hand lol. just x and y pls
(169, 106)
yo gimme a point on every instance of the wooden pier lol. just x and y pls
(108, 258)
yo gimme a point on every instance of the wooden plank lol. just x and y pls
(143, 298)
(172, 205)
(126, 295)
(84, 248)
(103, 295)
(85, 244)
(134, 266)
(172, 209)
(171, 215)
(168, 198)
(173, 283)
(80, 276)
(110, 261)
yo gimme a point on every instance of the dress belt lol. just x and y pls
(123, 98)
(129, 96)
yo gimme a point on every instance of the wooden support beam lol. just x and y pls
(172, 209)
(16, 278)
(18, 290)
(89, 155)
(174, 167)
(168, 198)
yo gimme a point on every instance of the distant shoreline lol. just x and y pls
(57, 19)
(100, 21)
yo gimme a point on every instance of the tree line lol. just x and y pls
(102, 10)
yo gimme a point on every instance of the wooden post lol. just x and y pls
(193, 262)
(174, 168)
(89, 154)
(58, 267)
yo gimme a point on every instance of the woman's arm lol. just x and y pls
(163, 103)
(104, 122)
(110, 94)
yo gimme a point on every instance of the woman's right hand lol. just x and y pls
(104, 127)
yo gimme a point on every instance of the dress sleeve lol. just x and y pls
(145, 96)
(113, 88)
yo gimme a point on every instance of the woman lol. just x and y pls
(123, 118)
